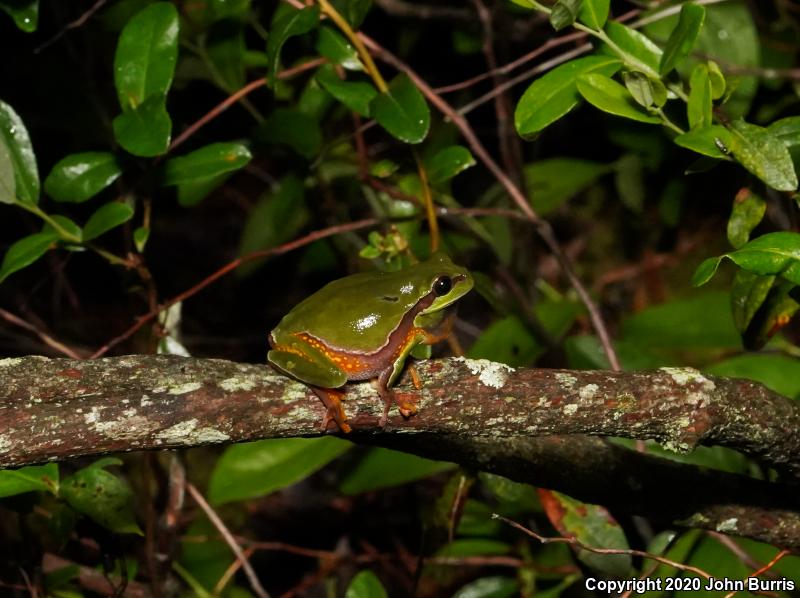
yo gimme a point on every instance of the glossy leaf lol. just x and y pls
(147, 52)
(593, 526)
(594, 13)
(770, 254)
(447, 163)
(67, 229)
(709, 140)
(259, 468)
(634, 43)
(205, 163)
(105, 218)
(748, 293)
(402, 111)
(26, 251)
(146, 130)
(682, 39)
(295, 129)
(491, 587)
(699, 106)
(78, 177)
(289, 24)
(356, 95)
(763, 154)
(645, 91)
(748, 210)
(8, 186)
(365, 585)
(43, 478)
(18, 143)
(554, 94)
(608, 95)
(564, 13)
(552, 182)
(335, 47)
(780, 373)
(384, 468)
(24, 12)
(102, 496)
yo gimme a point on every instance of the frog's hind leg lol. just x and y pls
(405, 401)
(332, 399)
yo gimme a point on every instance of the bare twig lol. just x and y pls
(72, 25)
(45, 338)
(226, 534)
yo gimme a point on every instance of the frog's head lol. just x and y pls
(441, 277)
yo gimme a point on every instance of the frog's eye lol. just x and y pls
(442, 285)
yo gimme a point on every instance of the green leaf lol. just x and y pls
(365, 585)
(709, 141)
(717, 80)
(646, 91)
(552, 182)
(24, 12)
(447, 163)
(699, 106)
(593, 526)
(140, 237)
(771, 254)
(473, 547)
(787, 130)
(491, 587)
(146, 130)
(629, 181)
(594, 13)
(772, 307)
(554, 94)
(295, 129)
(763, 154)
(748, 210)
(634, 43)
(402, 110)
(205, 163)
(608, 95)
(102, 496)
(748, 293)
(333, 46)
(8, 186)
(507, 341)
(355, 95)
(682, 39)
(354, 11)
(78, 177)
(258, 468)
(384, 468)
(18, 143)
(225, 49)
(147, 51)
(28, 479)
(26, 251)
(564, 13)
(276, 218)
(67, 226)
(192, 193)
(105, 218)
(288, 24)
(780, 373)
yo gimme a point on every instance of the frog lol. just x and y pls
(364, 327)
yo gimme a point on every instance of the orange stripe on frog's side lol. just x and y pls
(352, 364)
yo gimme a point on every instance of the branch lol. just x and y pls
(483, 415)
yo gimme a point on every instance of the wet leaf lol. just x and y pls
(259, 468)
(289, 24)
(18, 144)
(79, 177)
(608, 95)
(8, 186)
(335, 47)
(146, 130)
(43, 478)
(770, 254)
(24, 12)
(147, 52)
(447, 163)
(205, 163)
(109, 216)
(763, 154)
(402, 111)
(682, 39)
(554, 94)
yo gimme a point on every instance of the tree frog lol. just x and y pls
(363, 327)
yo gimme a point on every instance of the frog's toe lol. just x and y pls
(406, 403)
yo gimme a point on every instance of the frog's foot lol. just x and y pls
(332, 399)
(406, 403)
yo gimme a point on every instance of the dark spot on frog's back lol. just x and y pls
(390, 298)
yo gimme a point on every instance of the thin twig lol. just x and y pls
(578, 544)
(45, 338)
(72, 25)
(226, 534)
(764, 569)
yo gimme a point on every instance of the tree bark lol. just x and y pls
(526, 424)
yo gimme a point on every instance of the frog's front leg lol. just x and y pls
(405, 401)
(332, 399)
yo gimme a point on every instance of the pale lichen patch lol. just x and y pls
(5, 444)
(125, 428)
(684, 376)
(182, 389)
(188, 433)
(92, 416)
(588, 391)
(566, 380)
(145, 401)
(728, 526)
(237, 383)
(571, 409)
(10, 362)
(490, 373)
